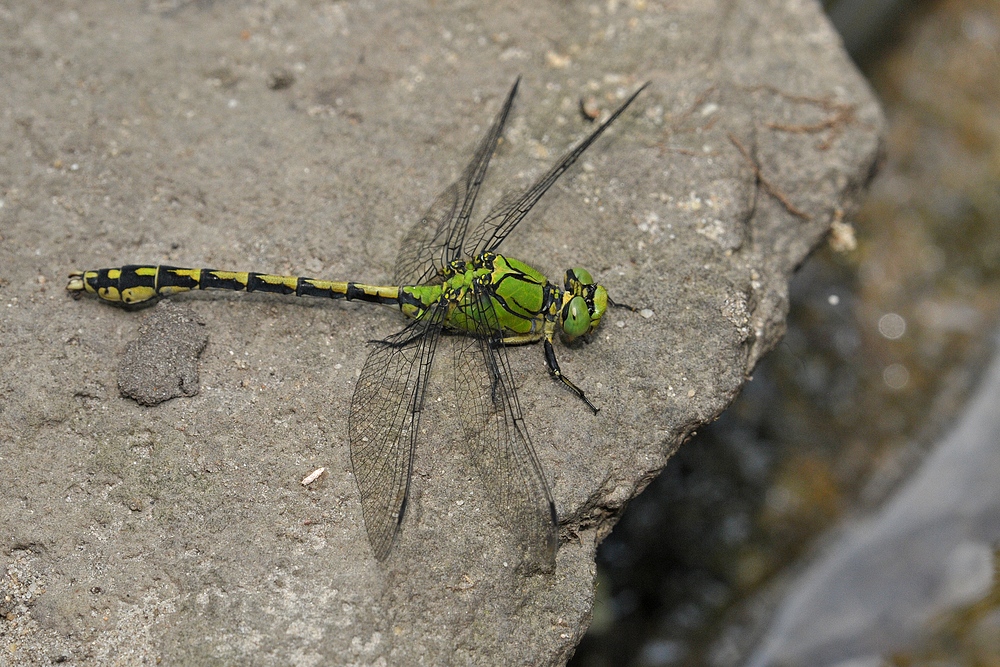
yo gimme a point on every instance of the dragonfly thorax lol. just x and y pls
(524, 306)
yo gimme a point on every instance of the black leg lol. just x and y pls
(550, 361)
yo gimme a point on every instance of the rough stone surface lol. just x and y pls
(154, 132)
(162, 362)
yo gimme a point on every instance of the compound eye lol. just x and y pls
(576, 317)
(576, 277)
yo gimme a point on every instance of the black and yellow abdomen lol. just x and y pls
(135, 285)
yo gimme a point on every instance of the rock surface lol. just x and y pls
(162, 362)
(155, 132)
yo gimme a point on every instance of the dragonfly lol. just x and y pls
(448, 279)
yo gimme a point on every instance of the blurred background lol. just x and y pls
(755, 527)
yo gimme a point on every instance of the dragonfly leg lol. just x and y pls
(390, 342)
(550, 361)
(523, 339)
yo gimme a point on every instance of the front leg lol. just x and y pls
(550, 361)
(522, 339)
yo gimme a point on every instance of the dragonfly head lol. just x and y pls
(584, 303)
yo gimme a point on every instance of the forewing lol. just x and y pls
(511, 210)
(438, 237)
(497, 439)
(384, 422)
(422, 249)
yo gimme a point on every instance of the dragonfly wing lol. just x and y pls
(383, 425)
(438, 237)
(497, 439)
(421, 252)
(505, 216)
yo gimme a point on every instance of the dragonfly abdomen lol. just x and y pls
(137, 284)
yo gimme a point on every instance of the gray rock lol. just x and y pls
(162, 362)
(180, 532)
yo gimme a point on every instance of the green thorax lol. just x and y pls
(519, 294)
(526, 304)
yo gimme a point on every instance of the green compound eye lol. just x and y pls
(576, 317)
(583, 275)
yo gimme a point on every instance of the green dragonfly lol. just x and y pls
(448, 278)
